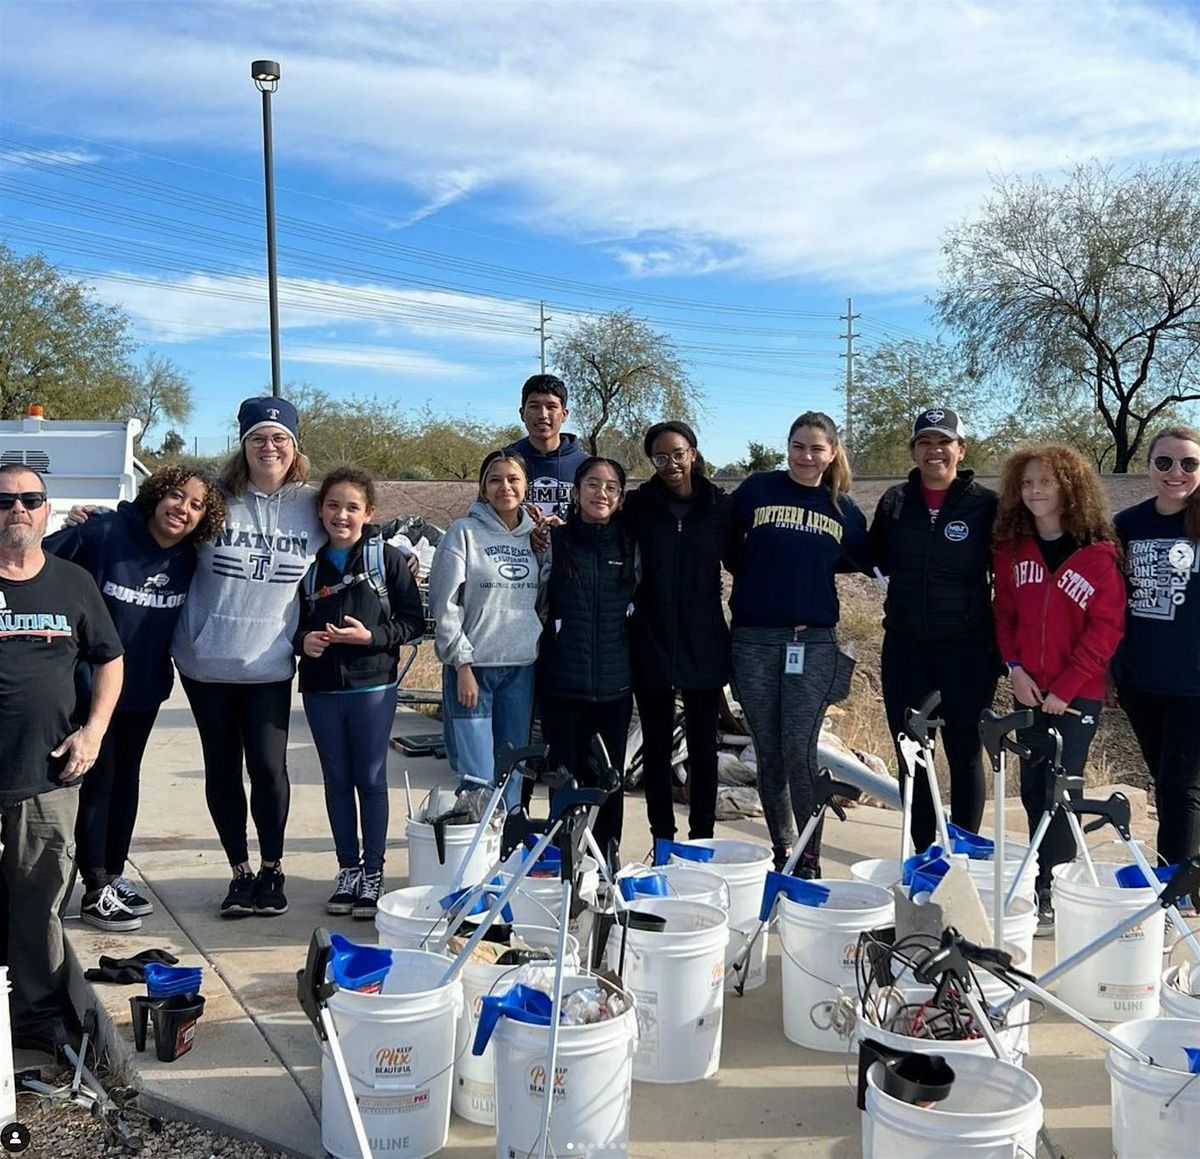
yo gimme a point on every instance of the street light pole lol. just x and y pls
(266, 80)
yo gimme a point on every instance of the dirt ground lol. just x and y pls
(1114, 754)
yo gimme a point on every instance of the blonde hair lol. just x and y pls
(837, 476)
(235, 475)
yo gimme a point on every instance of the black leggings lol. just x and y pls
(656, 710)
(108, 799)
(247, 721)
(965, 675)
(1168, 732)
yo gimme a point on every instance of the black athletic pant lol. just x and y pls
(1168, 732)
(656, 710)
(965, 675)
(108, 799)
(569, 726)
(1058, 845)
(247, 721)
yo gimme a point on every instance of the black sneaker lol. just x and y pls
(239, 901)
(105, 910)
(134, 901)
(345, 891)
(269, 900)
(1045, 926)
(369, 890)
(780, 855)
(808, 868)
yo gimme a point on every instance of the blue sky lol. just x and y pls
(733, 172)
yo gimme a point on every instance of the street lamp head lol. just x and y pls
(265, 74)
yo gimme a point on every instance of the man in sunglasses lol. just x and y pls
(51, 617)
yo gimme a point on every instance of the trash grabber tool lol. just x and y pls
(995, 736)
(313, 990)
(919, 723)
(555, 1015)
(909, 751)
(828, 791)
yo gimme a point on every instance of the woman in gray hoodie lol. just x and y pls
(233, 644)
(483, 595)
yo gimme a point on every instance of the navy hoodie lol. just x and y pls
(144, 587)
(551, 474)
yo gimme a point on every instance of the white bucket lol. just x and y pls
(676, 977)
(1142, 1123)
(1180, 994)
(993, 1111)
(1121, 981)
(820, 955)
(424, 868)
(400, 1046)
(8, 1090)
(743, 866)
(888, 871)
(474, 1095)
(592, 1083)
(538, 900)
(1020, 920)
(688, 882)
(407, 919)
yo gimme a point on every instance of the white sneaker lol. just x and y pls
(106, 911)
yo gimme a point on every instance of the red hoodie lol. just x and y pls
(1062, 627)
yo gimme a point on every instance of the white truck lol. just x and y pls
(82, 461)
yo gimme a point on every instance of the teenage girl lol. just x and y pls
(1060, 613)
(1157, 667)
(790, 531)
(347, 642)
(589, 687)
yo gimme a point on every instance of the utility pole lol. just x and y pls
(849, 336)
(543, 318)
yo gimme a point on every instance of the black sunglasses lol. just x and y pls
(30, 500)
(1164, 463)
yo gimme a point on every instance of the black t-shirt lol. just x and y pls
(1056, 552)
(47, 625)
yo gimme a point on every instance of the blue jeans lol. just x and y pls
(502, 714)
(352, 731)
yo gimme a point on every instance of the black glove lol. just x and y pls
(158, 957)
(128, 971)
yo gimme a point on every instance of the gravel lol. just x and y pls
(64, 1131)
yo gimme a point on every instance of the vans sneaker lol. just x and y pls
(239, 901)
(345, 891)
(134, 901)
(368, 895)
(105, 910)
(269, 899)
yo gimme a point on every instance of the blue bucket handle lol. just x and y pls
(482, 903)
(645, 885)
(521, 1003)
(928, 877)
(664, 847)
(358, 967)
(913, 863)
(976, 847)
(1132, 877)
(794, 889)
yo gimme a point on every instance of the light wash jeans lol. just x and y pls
(502, 714)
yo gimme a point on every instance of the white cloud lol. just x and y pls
(828, 140)
(21, 158)
(356, 355)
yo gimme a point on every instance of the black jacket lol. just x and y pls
(678, 633)
(585, 650)
(345, 667)
(939, 571)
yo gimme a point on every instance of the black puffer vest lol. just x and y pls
(586, 646)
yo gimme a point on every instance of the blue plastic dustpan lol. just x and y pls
(482, 903)
(164, 981)
(358, 967)
(645, 885)
(521, 1003)
(794, 888)
(913, 863)
(664, 848)
(928, 877)
(1132, 877)
(962, 840)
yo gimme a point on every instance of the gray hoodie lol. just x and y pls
(483, 591)
(241, 610)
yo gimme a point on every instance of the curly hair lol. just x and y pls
(1083, 514)
(154, 489)
(358, 477)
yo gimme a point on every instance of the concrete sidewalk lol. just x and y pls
(255, 1068)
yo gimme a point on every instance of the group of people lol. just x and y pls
(559, 595)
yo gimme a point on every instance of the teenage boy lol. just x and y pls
(551, 455)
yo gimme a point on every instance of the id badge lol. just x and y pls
(793, 660)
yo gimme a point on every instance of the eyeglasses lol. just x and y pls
(597, 487)
(1164, 463)
(679, 455)
(30, 500)
(260, 441)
